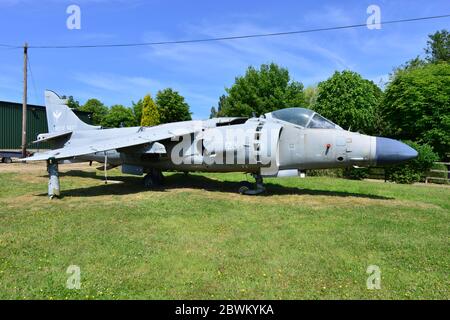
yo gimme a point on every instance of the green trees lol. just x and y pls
(171, 106)
(261, 91)
(118, 116)
(311, 93)
(72, 103)
(137, 112)
(213, 113)
(98, 109)
(350, 101)
(150, 113)
(416, 102)
(416, 105)
(218, 113)
(438, 47)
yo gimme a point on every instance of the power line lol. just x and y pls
(32, 79)
(260, 35)
(8, 47)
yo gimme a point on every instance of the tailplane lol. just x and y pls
(60, 117)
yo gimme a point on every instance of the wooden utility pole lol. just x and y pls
(24, 105)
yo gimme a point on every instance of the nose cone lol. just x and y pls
(391, 151)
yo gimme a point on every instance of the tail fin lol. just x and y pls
(60, 117)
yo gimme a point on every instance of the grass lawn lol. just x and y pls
(197, 238)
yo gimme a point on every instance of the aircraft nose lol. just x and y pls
(390, 151)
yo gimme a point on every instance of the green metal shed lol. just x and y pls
(11, 124)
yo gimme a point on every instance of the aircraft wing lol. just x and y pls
(142, 136)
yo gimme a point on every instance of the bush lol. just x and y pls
(413, 170)
(403, 174)
(334, 173)
(356, 173)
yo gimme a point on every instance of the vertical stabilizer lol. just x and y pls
(60, 117)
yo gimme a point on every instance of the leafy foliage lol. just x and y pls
(416, 106)
(438, 47)
(118, 116)
(413, 170)
(408, 66)
(137, 111)
(333, 173)
(98, 109)
(171, 106)
(213, 113)
(260, 91)
(218, 113)
(350, 101)
(311, 93)
(150, 113)
(356, 173)
(72, 103)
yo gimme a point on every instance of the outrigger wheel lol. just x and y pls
(247, 188)
(153, 179)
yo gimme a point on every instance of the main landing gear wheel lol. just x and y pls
(153, 179)
(247, 188)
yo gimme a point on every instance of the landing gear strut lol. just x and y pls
(246, 187)
(153, 179)
(53, 178)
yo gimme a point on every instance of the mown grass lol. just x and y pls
(197, 238)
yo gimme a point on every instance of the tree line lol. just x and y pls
(169, 106)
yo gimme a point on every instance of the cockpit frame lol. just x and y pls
(302, 117)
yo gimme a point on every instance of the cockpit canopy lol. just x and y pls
(303, 117)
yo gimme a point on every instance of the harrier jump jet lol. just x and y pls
(282, 143)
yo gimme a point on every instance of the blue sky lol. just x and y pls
(200, 72)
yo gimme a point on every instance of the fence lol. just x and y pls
(447, 172)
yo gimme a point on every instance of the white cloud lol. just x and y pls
(215, 64)
(122, 89)
(298, 52)
(114, 82)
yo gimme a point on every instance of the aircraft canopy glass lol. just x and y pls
(304, 117)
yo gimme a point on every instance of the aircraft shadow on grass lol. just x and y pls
(131, 185)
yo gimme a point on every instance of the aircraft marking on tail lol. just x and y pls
(57, 114)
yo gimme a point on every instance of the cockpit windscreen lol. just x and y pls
(304, 117)
(298, 116)
(320, 122)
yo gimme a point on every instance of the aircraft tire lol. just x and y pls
(148, 181)
(245, 186)
(157, 177)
